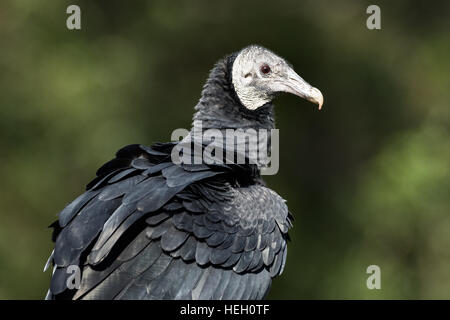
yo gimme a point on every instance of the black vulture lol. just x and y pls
(150, 228)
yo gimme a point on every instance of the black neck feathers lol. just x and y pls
(220, 108)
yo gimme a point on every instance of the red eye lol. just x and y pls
(265, 69)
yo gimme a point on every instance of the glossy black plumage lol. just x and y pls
(149, 229)
(124, 251)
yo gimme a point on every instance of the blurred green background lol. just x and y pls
(367, 178)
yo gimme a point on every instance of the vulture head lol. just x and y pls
(258, 74)
(241, 87)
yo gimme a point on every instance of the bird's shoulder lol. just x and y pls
(200, 215)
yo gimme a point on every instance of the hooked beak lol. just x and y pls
(296, 85)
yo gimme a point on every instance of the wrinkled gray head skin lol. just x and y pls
(258, 74)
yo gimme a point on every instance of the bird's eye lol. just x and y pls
(265, 69)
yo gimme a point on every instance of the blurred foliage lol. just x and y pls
(367, 178)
